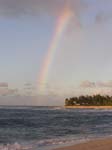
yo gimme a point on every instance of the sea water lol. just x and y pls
(45, 128)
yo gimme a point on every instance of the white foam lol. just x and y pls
(14, 146)
(46, 144)
(40, 145)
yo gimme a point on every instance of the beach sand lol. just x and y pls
(88, 107)
(100, 144)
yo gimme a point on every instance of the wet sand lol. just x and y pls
(99, 144)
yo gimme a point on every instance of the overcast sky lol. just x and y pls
(82, 63)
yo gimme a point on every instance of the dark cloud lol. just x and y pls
(12, 91)
(102, 9)
(103, 17)
(100, 18)
(79, 8)
(4, 84)
(34, 7)
(8, 92)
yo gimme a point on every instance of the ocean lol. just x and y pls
(45, 128)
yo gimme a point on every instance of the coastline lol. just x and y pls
(98, 144)
(88, 107)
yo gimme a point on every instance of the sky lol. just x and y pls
(79, 61)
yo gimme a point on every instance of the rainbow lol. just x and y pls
(61, 25)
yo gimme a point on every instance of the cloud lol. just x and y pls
(87, 84)
(102, 91)
(107, 84)
(29, 88)
(103, 17)
(12, 91)
(4, 84)
(98, 84)
(34, 7)
(8, 92)
(92, 88)
(99, 11)
(27, 84)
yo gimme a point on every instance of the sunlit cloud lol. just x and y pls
(87, 84)
(107, 84)
(98, 84)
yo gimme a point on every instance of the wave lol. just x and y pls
(46, 144)
(14, 146)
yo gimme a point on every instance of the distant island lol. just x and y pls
(95, 101)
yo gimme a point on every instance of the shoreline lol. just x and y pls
(88, 107)
(97, 144)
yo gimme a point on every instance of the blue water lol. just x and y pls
(43, 128)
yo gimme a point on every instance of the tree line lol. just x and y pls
(95, 100)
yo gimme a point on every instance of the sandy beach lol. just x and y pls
(100, 144)
(88, 107)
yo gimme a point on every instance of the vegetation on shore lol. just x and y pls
(95, 100)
